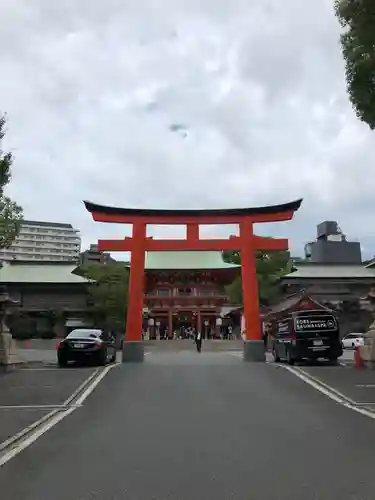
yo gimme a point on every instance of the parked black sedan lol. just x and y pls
(84, 344)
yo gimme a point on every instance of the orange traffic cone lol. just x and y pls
(358, 363)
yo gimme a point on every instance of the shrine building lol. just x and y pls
(186, 289)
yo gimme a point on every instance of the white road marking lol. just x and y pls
(234, 353)
(330, 392)
(92, 386)
(324, 384)
(52, 419)
(33, 407)
(80, 387)
(33, 437)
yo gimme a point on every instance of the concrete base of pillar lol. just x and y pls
(253, 350)
(133, 352)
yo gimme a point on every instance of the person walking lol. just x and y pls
(198, 341)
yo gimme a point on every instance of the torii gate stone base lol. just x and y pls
(247, 243)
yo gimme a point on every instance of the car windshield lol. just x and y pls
(82, 333)
(354, 335)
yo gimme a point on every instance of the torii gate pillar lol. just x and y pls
(247, 243)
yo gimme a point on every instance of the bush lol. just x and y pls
(48, 334)
(21, 334)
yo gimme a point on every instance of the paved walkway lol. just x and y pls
(27, 395)
(188, 426)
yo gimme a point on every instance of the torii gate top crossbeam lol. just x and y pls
(271, 213)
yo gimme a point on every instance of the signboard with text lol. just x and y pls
(313, 323)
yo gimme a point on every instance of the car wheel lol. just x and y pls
(290, 359)
(333, 360)
(62, 362)
(113, 358)
(103, 357)
(276, 358)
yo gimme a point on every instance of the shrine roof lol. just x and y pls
(330, 271)
(148, 212)
(294, 302)
(31, 272)
(186, 260)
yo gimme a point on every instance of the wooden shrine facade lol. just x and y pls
(179, 299)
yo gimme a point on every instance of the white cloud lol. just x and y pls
(92, 89)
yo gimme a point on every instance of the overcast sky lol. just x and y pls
(183, 103)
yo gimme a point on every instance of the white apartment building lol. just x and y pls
(44, 241)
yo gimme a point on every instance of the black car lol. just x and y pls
(307, 335)
(84, 344)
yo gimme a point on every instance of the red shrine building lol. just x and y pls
(186, 290)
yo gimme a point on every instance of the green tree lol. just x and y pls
(269, 266)
(357, 18)
(108, 293)
(11, 214)
(10, 219)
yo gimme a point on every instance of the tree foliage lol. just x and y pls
(108, 293)
(357, 18)
(11, 214)
(269, 266)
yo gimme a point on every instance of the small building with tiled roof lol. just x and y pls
(44, 292)
(343, 287)
(187, 289)
(330, 282)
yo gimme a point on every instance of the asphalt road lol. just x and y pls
(25, 394)
(185, 426)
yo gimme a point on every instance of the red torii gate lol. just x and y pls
(247, 243)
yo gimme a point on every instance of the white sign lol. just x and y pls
(326, 323)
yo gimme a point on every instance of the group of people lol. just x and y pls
(189, 332)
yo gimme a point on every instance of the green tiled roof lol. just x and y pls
(186, 260)
(39, 273)
(310, 271)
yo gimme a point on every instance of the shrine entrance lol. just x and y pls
(247, 243)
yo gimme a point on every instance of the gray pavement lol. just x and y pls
(37, 355)
(14, 421)
(356, 384)
(188, 426)
(27, 395)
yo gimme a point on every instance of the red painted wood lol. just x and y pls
(233, 243)
(136, 282)
(192, 232)
(185, 245)
(125, 245)
(246, 243)
(249, 284)
(151, 245)
(270, 244)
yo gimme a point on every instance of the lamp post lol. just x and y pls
(219, 322)
(5, 335)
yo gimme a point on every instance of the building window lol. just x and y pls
(162, 292)
(205, 291)
(184, 292)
